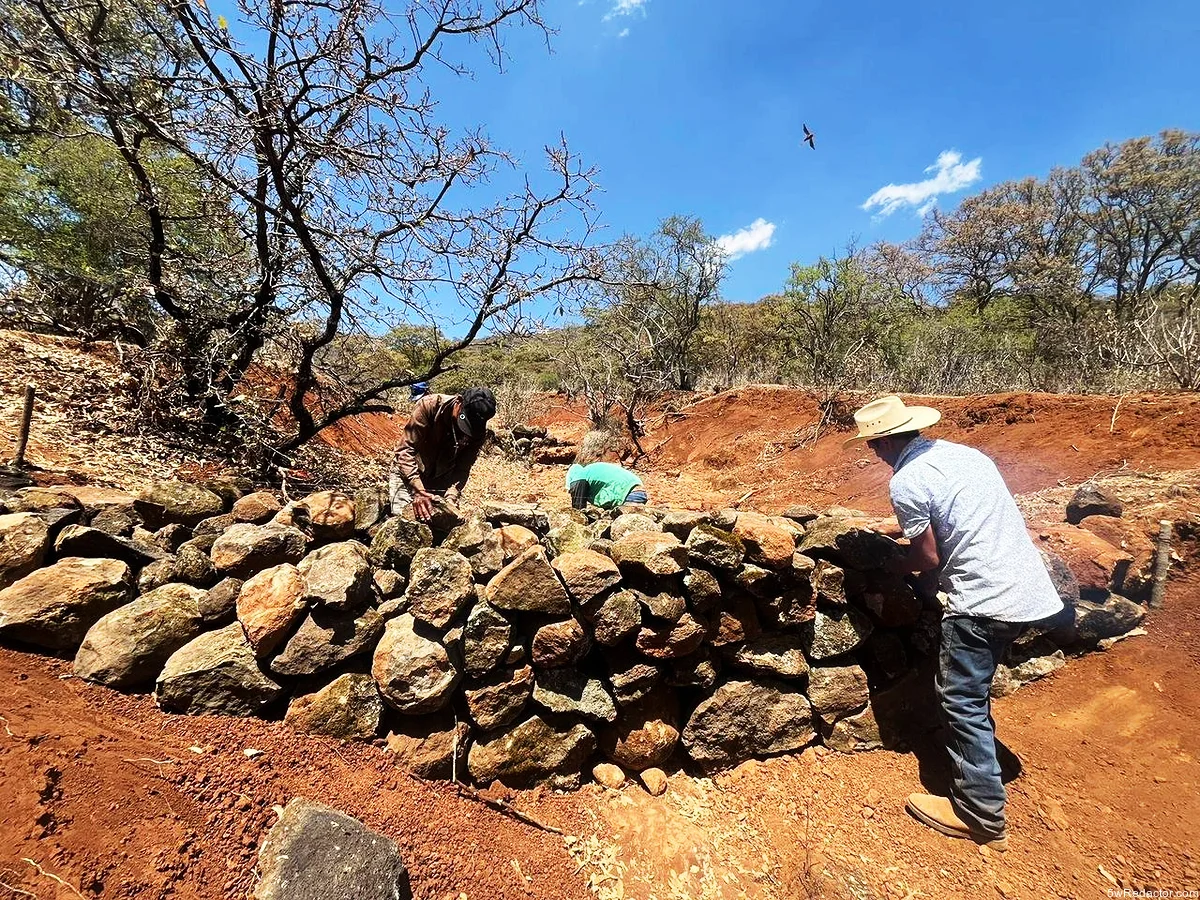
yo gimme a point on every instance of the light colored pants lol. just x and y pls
(399, 496)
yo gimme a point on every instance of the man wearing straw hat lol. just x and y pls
(962, 523)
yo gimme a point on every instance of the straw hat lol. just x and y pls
(889, 415)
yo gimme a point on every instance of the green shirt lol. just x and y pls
(608, 483)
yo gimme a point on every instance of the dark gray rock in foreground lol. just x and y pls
(317, 853)
(745, 719)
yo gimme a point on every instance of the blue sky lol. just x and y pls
(695, 107)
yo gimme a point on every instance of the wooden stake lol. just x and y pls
(23, 435)
(1162, 563)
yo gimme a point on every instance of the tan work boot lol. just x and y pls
(938, 813)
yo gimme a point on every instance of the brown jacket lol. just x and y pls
(434, 455)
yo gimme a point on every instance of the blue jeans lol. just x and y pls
(971, 648)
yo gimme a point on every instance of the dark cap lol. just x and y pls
(478, 405)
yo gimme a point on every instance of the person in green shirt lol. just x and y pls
(603, 484)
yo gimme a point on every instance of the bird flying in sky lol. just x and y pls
(809, 137)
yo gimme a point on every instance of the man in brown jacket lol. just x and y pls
(440, 444)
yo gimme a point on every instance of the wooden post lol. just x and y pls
(23, 435)
(1162, 562)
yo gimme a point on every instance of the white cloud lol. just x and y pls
(626, 8)
(758, 235)
(624, 32)
(950, 174)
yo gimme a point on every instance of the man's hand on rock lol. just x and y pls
(422, 506)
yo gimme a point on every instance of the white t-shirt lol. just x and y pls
(990, 567)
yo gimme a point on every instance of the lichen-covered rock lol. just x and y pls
(829, 583)
(746, 719)
(317, 853)
(327, 638)
(413, 670)
(1090, 500)
(499, 698)
(662, 605)
(569, 537)
(24, 540)
(480, 544)
(120, 523)
(431, 747)
(618, 618)
(836, 632)
(766, 542)
(534, 752)
(337, 576)
(559, 644)
(487, 638)
(269, 604)
(856, 733)
(193, 566)
(257, 508)
(348, 708)
(397, 542)
(527, 515)
(645, 733)
(671, 640)
(846, 541)
(837, 691)
(54, 607)
(129, 646)
(243, 550)
(631, 523)
(176, 501)
(682, 522)
(1099, 619)
(331, 514)
(569, 691)
(632, 678)
(703, 590)
(774, 655)
(216, 673)
(529, 584)
(588, 576)
(440, 583)
(650, 553)
(41, 499)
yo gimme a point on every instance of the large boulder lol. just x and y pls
(317, 853)
(713, 548)
(440, 582)
(837, 691)
(54, 607)
(766, 543)
(1090, 500)
(24, 540)
(79, 540)
(499, 698)
(1111, 617)
(528, 584)
(331, 514)
(242, 550)
(673, 639)
(348, 708)
(645, 733)
(217, 673)
(774, 655)
(745, 719)
(1129, 537)
(650, 553)
(559, 644)
(129, 646)
(257, 508)
(480, 544)
(337, 576)
(630, 523)
(430, 747)
(1097, 565)
(269, 604)
(571, 692)
(165, 502)
(487, 638)
(534, 752)
(834, 632)
(42, 499)
(397, 542)
(848, 541)
(588, 575)
(327, 638)
(413, 670)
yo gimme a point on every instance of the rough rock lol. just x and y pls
(317, 853)
(893, 603)
(54, 607)
(218, 606)
(515, 540)
(848, 542)
(663, 605)
(792, 610)
(855, 733)
(650, 553)
(703, 590)
(533, 752)
(774, 655)
(631, 523)
(397, 542)
(834, 633)
(618, 618)
(24, 540)
(176, 501)
(389, 584)
(559, 644)
(120, 523)
(887, 651)
(327, 638)
(766, 543)
(587, 575)
(41, 499)
(444, 519)
(170, 537)
(1097, 565)
(269, 604)
(1099, 619)
(654, 781)
(79, 540)
(427, 746)
(829, 583)
(370, 504)
(744, 719)
(440, 583)
(671, 640)
(257, 508)
(1090, 500)
(230, 490)
(700, 670)
(480, 544)
(337, 576)
(682, 522)
(756, 580)
(216, 674)
(331, 514)
(527, 515)
(645, 733)
(214, 526)
(414, 672)
(837, 691)
(608, 775)
(242, 550)
(348, 708)
(632, 678)
(130, 645)
(1038, 667)
(499, 699)
(1128, 537)
(529, 584)
(487, 638)
(58, 519)
(193, 566)
(569, 538)
(737, 621)
(571, 692)
(800, 513)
